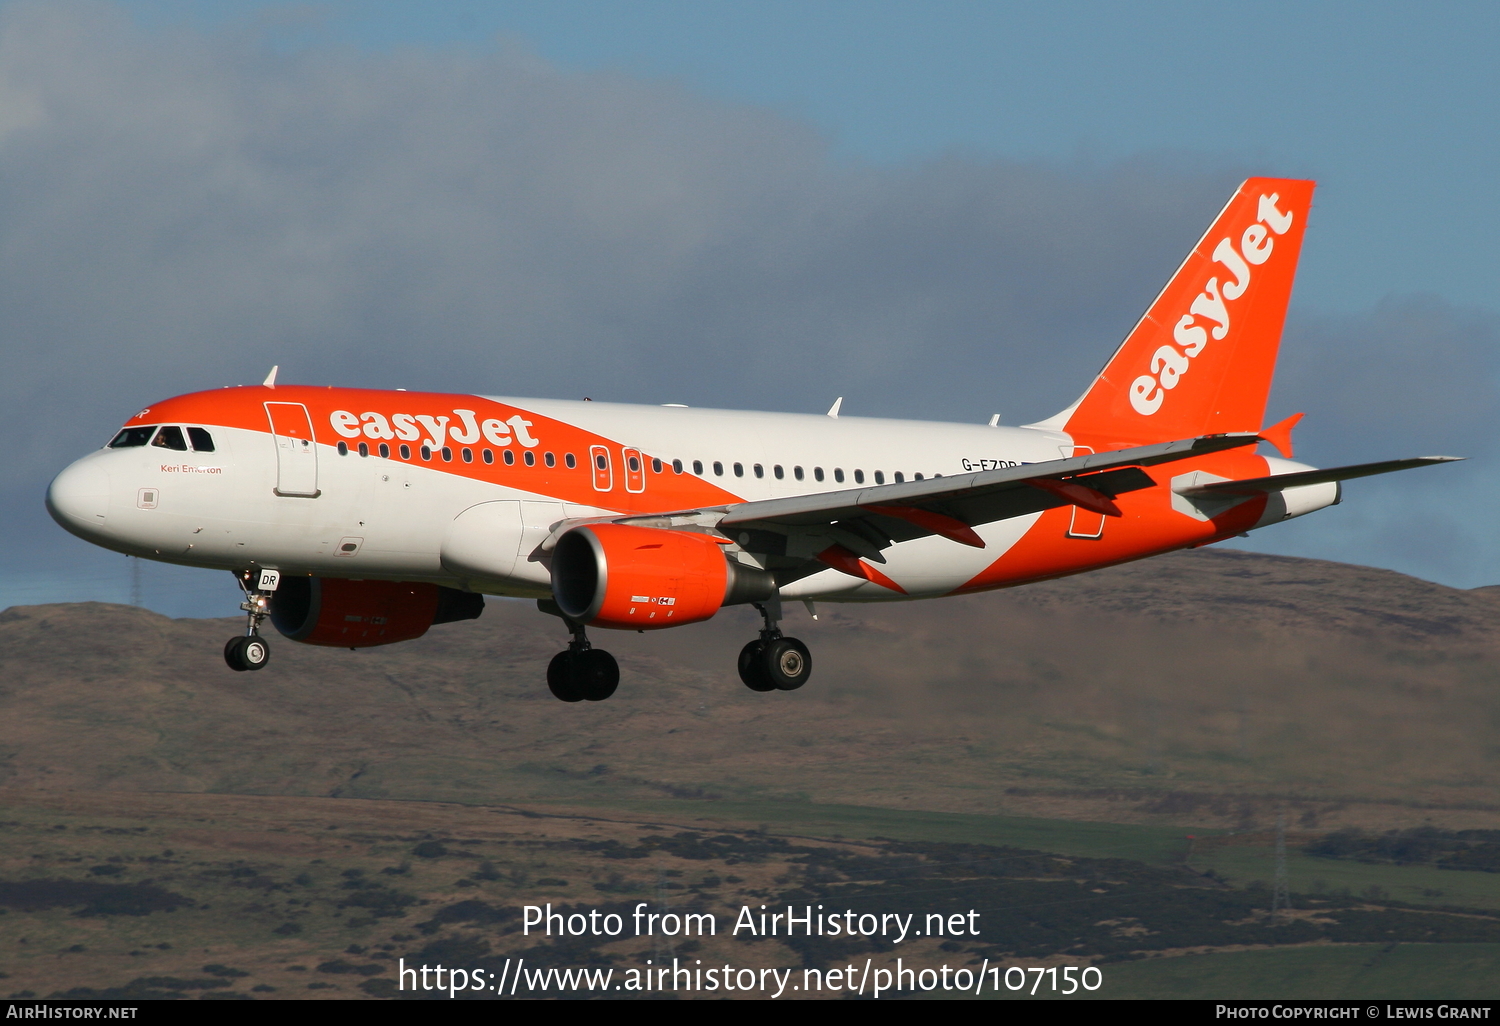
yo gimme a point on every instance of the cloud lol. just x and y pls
(1414, 376)
(181, 210)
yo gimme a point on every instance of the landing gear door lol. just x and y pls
(296, 450)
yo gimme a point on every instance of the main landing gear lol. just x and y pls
(772, 662)
(583, 673)
(250, 651)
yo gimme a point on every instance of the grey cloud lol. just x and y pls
(1415, 375)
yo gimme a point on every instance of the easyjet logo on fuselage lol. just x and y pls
(468, 429)
(1169, 363)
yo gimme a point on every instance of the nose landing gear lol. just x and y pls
(772, 662)
(250, 651)
(582, 673)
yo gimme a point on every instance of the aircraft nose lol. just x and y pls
(78, 498)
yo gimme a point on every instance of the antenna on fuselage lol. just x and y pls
(270, 381)
(995, 420)
(833, 411)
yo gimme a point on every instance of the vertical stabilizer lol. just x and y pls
(1200, 361)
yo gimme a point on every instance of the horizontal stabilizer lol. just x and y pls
(1276, 483)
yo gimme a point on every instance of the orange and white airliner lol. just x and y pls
(354, 517)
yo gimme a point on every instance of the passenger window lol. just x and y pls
(170, 437)
(201, 439)
(778, 472)
(467, 454)
(549, 459)
(817, 473)
(880, 477)
(489, 456)
(859, 477)
(760, 471)
(899, 478)
(718, 469)
(739, 470)
(405, 451)
(916, 477)
(426, 453)
(364, 449)
(676, 466)
(698, 467)
(655, 465)
(385, 451)
(129, 438)
(510, 457)
(530, 458)
(797, 473)
(838, 475)
(447, 455)
(570, 461)
(343, 448)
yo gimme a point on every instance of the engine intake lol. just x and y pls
(362, 614)
(647, 578)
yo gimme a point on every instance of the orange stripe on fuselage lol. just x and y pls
(1148, 526)
(243, 407)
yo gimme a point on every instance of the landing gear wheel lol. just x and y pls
(561, 679)
(751, 671)
(247, 653)
(597, 674)
(589, 675)
(232, 654)
(785, 663)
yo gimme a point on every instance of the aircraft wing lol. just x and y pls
(866, 520)
(1258, 485)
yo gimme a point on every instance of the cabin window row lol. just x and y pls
(528, 457)
(427, 453)
(798, 473)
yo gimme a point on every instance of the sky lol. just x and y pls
(938, 210)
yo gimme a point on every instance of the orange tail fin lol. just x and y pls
(1200, 361)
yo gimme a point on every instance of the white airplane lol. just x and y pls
(357, 517)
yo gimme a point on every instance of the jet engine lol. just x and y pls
(361, 614)
(647, 578)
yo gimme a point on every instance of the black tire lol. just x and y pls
(596, 674)
(751, 671)
(561, 680)
(255, 652)
(786, 664)
(232, 657)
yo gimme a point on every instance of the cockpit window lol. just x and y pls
(130, 437)
(170, 437)
(201, 439)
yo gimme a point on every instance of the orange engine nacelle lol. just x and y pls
(361, 614)
(646, 578)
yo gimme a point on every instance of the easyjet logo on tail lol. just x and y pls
(1169, 363)
(467, 431)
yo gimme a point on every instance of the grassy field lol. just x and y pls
(1094, 840)
(1242, 864)
(261, 896)
(1365, 972)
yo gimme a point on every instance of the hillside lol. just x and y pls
(1203, 686)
